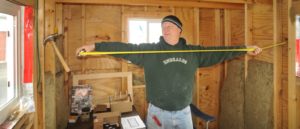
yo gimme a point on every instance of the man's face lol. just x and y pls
(170, 31)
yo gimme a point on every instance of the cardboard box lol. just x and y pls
(121, 106)
(99, 108)
(107, 118)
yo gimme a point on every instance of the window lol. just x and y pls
(144, 30)
(7, 87)
(298, 46)
(10, 49)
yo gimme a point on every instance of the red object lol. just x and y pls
(156, 120)
(28, 44)
(298, 49)
(2, 45)
(298, 57)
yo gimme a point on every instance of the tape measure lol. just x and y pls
(83, 53)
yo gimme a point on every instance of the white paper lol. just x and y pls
(132, 122)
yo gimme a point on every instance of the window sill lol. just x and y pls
(20, 120)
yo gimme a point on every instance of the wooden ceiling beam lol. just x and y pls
(199, 4)
(230, 1)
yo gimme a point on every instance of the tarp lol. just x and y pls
(28, 44)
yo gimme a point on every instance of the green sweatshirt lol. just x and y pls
(169, 77)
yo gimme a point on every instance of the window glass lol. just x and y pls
(144, 30)
(154, 31)
(7, 86)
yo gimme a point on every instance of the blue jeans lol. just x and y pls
(158, 118)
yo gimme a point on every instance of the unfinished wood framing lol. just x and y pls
(292, 90)
(128, 75)
(83, 35)
(49, 101)
(124, 64)
(198, 4)
(277, 61)
(39, 121)
(230, 1)
(196, 87)
(248, 34)
(227, 35)
(206, 22)
(208, 80)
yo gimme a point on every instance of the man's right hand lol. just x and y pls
(86, 48)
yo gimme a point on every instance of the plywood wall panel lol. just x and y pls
(186, 16)
(148, 9)
(263, 29)
(74, 42)
(100, 27)
(97, 27)
(134, 8)
(72, 27)
(159, 9)
(207, 88)
(262, 21)
(209, 78)
(263, 2)
(231, 1)
(284, 14)
(237, 27)
(206, 21)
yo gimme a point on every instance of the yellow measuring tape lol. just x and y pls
(82, 53)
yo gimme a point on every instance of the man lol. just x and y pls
(169, 76)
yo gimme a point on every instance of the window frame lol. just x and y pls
(138, 15)
(148, 21)
(16, 11)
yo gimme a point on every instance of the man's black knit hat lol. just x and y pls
(173, 19)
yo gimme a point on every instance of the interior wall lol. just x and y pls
(83, 24)
(209, 77)
(262, 27)
(269, 26)
(284, 88)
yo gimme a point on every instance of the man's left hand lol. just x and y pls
(257, 50)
